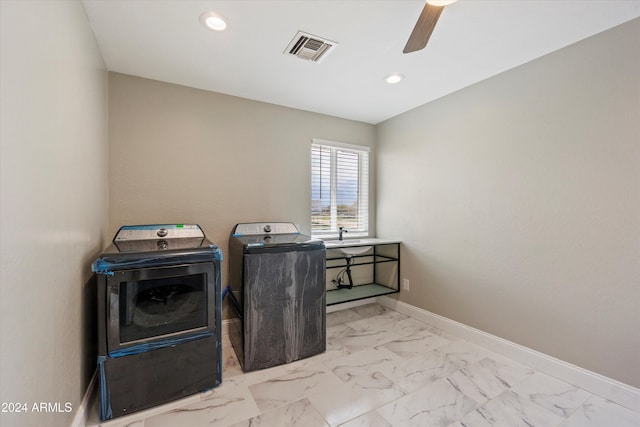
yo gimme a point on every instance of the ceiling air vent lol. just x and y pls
(309, 47)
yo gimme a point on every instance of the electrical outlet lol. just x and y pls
(405, 284)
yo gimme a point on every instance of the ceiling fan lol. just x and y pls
(425, 25)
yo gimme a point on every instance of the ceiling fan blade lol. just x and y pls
(423, 29)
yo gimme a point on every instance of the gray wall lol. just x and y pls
(54, 179)
(182, 155)
(518, 202)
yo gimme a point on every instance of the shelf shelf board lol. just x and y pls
(337, 296)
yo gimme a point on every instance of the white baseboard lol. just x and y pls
(610, 389)
(82, 414)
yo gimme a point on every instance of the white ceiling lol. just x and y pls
(474, 39)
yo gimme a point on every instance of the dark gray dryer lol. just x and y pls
(159, 317)
(277, 279)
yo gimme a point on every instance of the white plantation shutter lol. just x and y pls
(339, 188)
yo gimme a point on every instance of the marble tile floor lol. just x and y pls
(382, 368)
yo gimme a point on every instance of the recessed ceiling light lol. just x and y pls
(213, 21)
(394, 78)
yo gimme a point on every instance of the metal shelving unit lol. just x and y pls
(377, 272)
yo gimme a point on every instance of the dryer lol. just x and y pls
(159, 307)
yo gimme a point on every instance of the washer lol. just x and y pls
(278, 294)
(159, 306)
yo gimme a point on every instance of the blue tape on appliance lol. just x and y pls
(103, 266)
(217, 253)
(145, 347)
(105, 400)
(225, 292)
(100, 266)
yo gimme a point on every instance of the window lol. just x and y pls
(339, 188)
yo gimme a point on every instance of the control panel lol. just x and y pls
(252, 228)
(158, 231)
